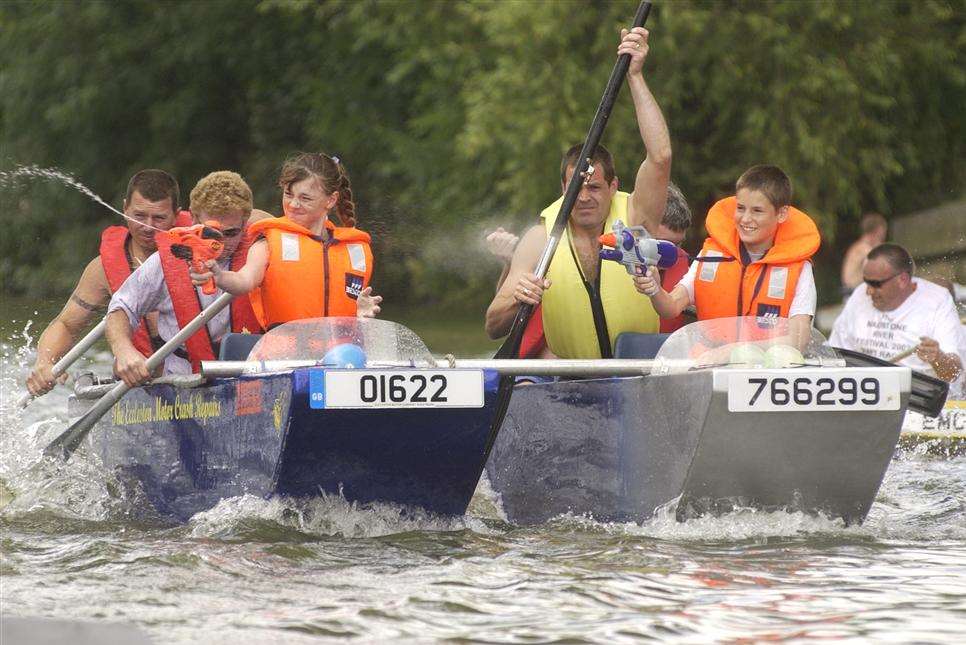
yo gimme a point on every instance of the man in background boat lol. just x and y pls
(590, 302)
(874, 230)
(755, 261)
(897, 312)
(163, 284)
(152, 199)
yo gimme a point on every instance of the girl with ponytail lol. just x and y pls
(313, 261)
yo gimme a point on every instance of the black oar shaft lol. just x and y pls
(511, 346)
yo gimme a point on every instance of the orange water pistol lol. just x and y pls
(197, 244)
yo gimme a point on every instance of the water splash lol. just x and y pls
(9, 177)
(258, 519)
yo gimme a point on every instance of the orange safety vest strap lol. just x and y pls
(294, 287)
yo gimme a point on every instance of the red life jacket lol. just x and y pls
(533, 340)
(117, 268)
(669, 279)
(184, 300)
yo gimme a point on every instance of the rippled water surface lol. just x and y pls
(255, 571)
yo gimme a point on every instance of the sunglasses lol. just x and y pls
(231, 232)
(877, 284)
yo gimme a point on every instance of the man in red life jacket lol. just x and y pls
(162, 284)
(152, 199)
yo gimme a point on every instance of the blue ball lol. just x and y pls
(345, 355)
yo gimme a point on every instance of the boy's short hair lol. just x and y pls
(154, 185)
(872, 221)
(677, 213)
(601, 158)
(770, 181)
(220, 193)
(896, 256)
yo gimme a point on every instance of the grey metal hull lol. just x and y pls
(617, 449)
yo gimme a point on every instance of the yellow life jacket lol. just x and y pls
(583, 320)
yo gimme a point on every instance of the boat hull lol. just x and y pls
(188, 448)
(618, 449)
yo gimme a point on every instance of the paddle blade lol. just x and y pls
(928, 394)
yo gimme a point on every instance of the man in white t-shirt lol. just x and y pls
(897, 312)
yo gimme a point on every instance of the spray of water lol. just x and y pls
(10, 177)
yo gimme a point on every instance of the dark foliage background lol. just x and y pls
(451, 115)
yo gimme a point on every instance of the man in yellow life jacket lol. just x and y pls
(755, 261)
(590, 302)
(151, 199)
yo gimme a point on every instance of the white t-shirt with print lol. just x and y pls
(929, 311)
(803, 302)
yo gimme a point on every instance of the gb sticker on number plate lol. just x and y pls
(353, 388)
(818, 390)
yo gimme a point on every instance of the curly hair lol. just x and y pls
(332, 176)
(220, 193)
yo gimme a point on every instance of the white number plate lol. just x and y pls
(395, 389)
(812, 390)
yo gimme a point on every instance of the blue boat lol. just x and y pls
(188, 443)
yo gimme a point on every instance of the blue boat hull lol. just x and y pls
(188, 448)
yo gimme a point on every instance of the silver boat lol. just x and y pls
(731, 416)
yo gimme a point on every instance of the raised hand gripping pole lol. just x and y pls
(511, 346)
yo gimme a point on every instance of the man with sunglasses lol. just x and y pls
(163, 284)
(896, 312)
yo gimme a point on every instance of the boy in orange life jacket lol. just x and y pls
(282, 272)
(758, 251)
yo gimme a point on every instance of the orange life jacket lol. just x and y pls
(669, 279)
(117, 267)
(736, 286)
(306, 277)
(186, 305)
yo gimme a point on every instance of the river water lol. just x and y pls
(283, 571)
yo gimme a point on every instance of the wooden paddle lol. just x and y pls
(70, 357)
(511, 346)
(66, 443)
